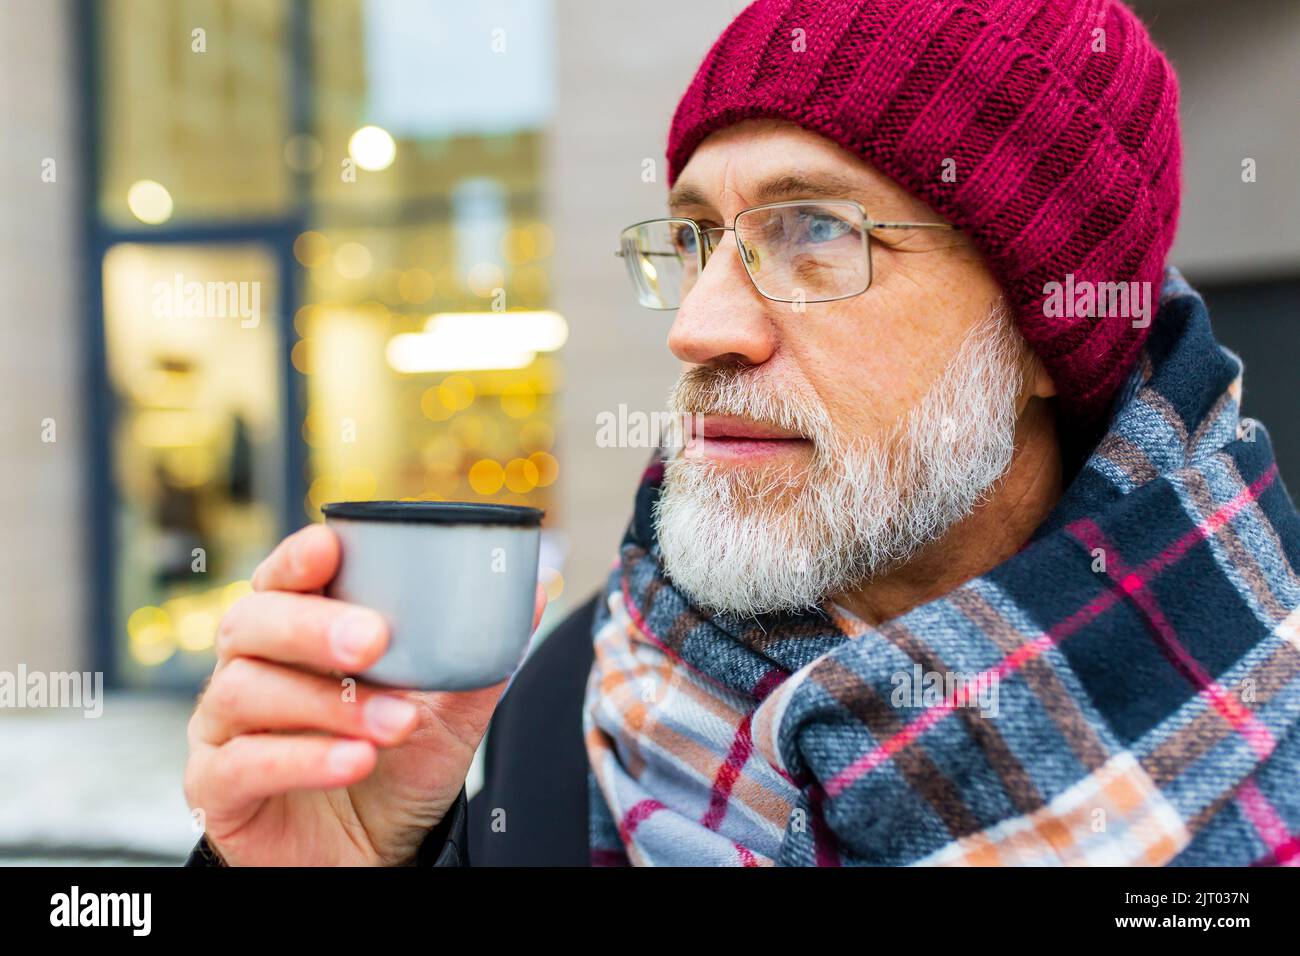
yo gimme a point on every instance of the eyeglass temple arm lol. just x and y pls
(909, 225)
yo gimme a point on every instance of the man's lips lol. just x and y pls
(730, 438)
(731, 426)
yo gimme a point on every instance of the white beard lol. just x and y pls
(748, 541)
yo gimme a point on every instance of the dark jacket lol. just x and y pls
(532, 810)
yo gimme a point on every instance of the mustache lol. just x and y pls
(743, 391)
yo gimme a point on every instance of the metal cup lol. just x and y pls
(456, 582)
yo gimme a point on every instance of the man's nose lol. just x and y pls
(723, 319)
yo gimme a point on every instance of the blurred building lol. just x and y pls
(291, 223)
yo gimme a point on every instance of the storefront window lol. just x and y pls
(390, 155)
(196, 451)
(195, 110)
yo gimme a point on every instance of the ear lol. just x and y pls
(1037, 383)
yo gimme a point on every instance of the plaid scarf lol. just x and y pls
(1143, 647)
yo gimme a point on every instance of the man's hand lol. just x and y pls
(286, 767)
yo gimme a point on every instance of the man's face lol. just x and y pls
(838, 436)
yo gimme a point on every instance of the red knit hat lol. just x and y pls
(1055, 121)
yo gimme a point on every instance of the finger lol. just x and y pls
(317, 632)
(304, 561)
(231, 778)
(249, 696)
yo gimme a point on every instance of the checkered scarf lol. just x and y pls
(1144, 647)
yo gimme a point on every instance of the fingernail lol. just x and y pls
(346, 757)
(353, 635)
(388, 715)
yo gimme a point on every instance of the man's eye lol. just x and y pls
(685, 240)
(825, 228)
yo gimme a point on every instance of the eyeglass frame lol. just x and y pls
(705, 247)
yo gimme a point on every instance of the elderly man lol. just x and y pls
(968, 557)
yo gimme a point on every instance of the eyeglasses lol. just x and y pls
(798, 251)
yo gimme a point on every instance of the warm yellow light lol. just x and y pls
(456, 392)
(416, 286)
(470, 431)
(312, 249)
(153, 654)
(359, 484)
(536, 436)
(146, 621)
(191, 467)
(373, 148)
(169, 428)
(196, 629)
(433, 406)
(413, 352)
(353, 260)
(468, 341)
(151, 639)
(326, 279)
(233, 591)
(543, 239)
(486, 476)
(149, 201)
(518, 246)
(324, 489)
(540, 331)
(521, 475)
(301, 356)
(548, 469)
(519, 400)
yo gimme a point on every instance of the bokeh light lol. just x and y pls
(149, 201)
(432, 406)
(353, 260)
(521, 476)
(519, 399)
(486, 476)
(548, 469)
(456, 392)
(373, 148)
(150, 636)
(311, 249)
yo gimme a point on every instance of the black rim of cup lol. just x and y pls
(434, 512)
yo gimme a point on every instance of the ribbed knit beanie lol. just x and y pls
(1046, 129)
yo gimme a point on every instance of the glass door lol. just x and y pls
(197, 450)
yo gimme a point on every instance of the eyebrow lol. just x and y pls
(784, 186)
